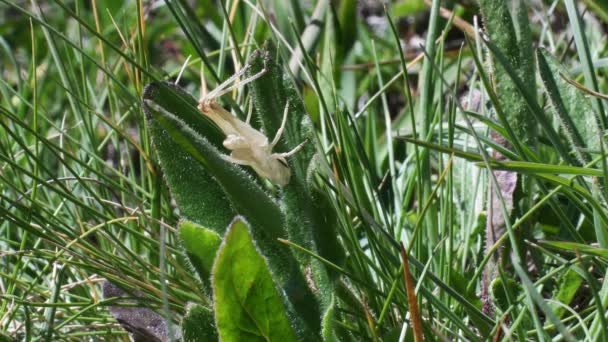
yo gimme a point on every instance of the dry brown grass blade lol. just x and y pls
(499, 332)
(460, 23)
(583, 88)
(370, 320)
(411, 298)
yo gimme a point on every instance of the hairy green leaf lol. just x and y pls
(255, 204)
(308, 224)
(515, 43)
(247, 304)
(201, 246)
(198, 325)
(573, 109)
(198, 196)
(328, 322)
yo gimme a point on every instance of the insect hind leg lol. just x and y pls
(277, 136)
(293, 151)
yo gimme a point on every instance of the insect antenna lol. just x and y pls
(225, 88)
(203, 84)
(249, 111)
(181, 71)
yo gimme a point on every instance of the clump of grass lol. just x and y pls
(394, 157)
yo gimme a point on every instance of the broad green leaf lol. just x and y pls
(515, 43)
(521, 24)
(502, 292)
(569, 283)
(327, 241)
(308, 224)
(528, 95)
(328, 322)
(198, 196)
(573, 246)
(249, 200)
(185, 107)
(201, 246)
(573, 109)
(198, 325)
(247, 304)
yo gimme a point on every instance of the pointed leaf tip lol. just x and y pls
(248, 306)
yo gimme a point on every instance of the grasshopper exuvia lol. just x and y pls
(248, 146)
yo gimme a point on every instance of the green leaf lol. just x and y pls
(459, 282)
(347, 20)
(247, 304)
(502, 292)
(249, 200)
(309, 223)
(535, 297)
(521, 23)
(443, 149)
(569, 283)
(198, 325)
(201, 246)
(283, 17)
(529, 96)
(184, 107)
(407, 7)
(536, 168)
(515, 43)
(600, 8)
(583, 50)
(327, 239)
(573, 109)
(328, 322)
(5, 338)
(198, 196)
(573, 246)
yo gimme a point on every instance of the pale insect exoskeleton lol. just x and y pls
(248, 146)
